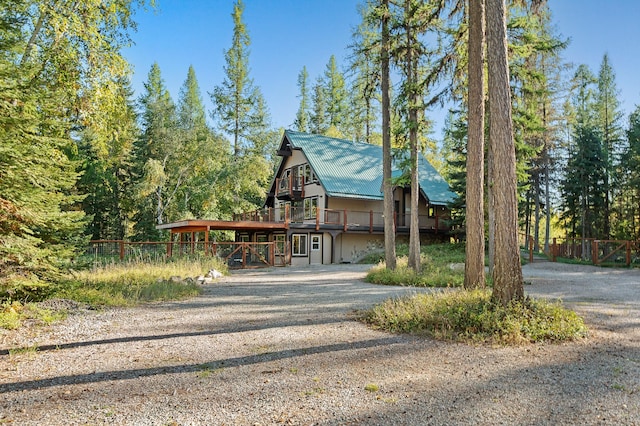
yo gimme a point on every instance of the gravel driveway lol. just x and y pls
(279, 346)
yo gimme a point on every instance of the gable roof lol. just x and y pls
(348, 169)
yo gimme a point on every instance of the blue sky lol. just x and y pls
(289, 34)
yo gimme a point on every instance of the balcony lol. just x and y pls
(345, 220)
(290, 188)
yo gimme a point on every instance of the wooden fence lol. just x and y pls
(235, 254)
(597, 252)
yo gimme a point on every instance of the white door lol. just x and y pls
(315, 256)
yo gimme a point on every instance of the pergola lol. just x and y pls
(192, 226)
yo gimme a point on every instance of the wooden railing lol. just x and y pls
(345, 219)
(591, 250)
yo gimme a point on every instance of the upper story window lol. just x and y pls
(310, 207)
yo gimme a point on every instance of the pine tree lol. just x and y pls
(209, 155)
(335, 95)
(234, 102)
(583, 183)
(609, 123)
(54, 57)
(319, 123)
(629, 225)
(507, 271)
(158, 155)
(302, 116)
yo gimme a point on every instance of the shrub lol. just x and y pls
(470, 316)
(433, 274)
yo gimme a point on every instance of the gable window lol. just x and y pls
(299, 245)
(284, 181)
(310, 207)
(309, 175)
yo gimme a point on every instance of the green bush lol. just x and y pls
(471, 316)
(436, 272)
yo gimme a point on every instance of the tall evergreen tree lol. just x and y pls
(507, 271)
(302, 116)
(335, 95)
(583, 182)
(610, 125)
(54, 57)
(629, 225)
(158, 157)
(319, 123)
(209, 155)
(234, 101)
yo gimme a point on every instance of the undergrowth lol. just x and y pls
(471, 316)
(14, 313)
(436, 268)
(114, 284)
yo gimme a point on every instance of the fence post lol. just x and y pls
(530, 249)
(628, 259)
(244, 255)
(594, 252)
(554, 251)
(121, 249)
(272, 253)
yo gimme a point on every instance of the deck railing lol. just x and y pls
(346, 219)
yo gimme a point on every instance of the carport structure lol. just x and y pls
(237, 254)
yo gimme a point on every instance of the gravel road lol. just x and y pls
(269, 347)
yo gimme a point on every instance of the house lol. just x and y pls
(325, 203)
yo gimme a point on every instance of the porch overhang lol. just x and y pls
(186, 226)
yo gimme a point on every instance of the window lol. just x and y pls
(315, 243)
(310, 207)
(299, 245)
(432, 211)
(284, 180)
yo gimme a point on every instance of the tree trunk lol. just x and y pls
(536, 228)
(507, 271)
(389, 226)
(547, 197)
(414, 226)
(474, 264)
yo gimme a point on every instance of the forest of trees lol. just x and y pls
(81, 158)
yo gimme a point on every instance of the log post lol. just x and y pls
(371, 221)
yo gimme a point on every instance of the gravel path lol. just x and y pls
(279, 346)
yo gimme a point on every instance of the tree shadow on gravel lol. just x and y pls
(596, 385)
(232, 327)
(187, 368)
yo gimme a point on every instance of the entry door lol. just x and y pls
(315, 252)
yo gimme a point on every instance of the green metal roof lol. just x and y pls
(354, 169)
